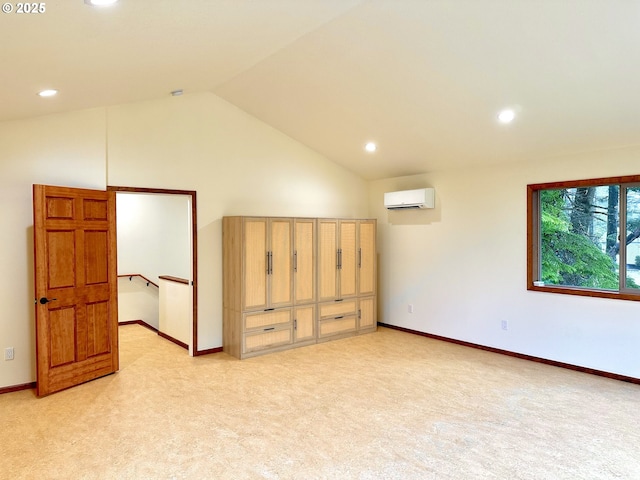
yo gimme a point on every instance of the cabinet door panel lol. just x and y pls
(327, 251)
(347, 271)
(281, 253)
(255, 263)
(367, 313)
(305, 324)
(367, 258)
(304, 261)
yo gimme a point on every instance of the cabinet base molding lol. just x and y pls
(281, 348)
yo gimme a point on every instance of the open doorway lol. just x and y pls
(162, 225)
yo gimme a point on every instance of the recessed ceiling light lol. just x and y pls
(100, 3)
(370, 147)
(506, 116)
(48, 93)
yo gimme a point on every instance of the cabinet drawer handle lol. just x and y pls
(339, 299)
(295, 261)
(270, 328)
(268, 309)
(337, 318)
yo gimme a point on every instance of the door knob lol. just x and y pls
(45, 300)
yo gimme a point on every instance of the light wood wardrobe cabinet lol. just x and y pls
(304, 259)
(367, 259)
(267, 245)
(367, 276)
(337, 259)
(305, 244)
(290, 282)
(347, 277)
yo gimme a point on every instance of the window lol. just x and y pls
(584, 237)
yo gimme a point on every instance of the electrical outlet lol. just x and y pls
(410, 308)
(504, 324)
(8, 353)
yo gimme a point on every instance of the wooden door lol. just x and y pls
(281, 262)
(304, 260)
(327, 260)
(348, 259)
(75, 286)
(256, 262)
(367, 258)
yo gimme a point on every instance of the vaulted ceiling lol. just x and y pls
(424, 79)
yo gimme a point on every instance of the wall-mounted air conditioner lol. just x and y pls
(420, 198)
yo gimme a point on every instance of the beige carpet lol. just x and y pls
(388, 405)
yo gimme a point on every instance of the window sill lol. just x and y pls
(583, 292)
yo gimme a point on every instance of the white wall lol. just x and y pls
(56, 150)
(199, 142)
(238, 166)
(138, 301)
(463, 266)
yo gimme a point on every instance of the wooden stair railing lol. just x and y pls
(131, 275)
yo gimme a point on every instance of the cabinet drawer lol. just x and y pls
(335, 309)
(254, 342)
(260, 320)
(338, 326)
